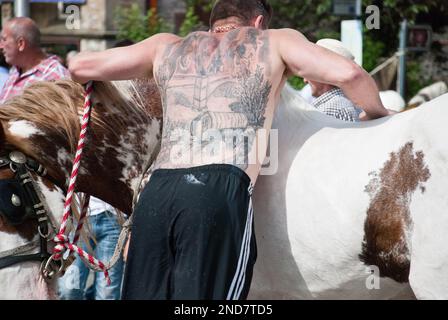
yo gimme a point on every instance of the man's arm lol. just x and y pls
(310, 61)
(122, 63)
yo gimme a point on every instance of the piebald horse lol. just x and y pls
(346, 197)
(356, 210)
(44, 123)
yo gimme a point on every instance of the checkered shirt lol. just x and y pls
(49, 69)
(335, 104)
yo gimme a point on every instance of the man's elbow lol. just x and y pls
(352, 74)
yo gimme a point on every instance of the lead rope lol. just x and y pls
(61, 239)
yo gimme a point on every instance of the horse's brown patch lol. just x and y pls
(26, 230)
(388, 216)
(151, 97)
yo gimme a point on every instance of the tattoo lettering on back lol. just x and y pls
(214, 93)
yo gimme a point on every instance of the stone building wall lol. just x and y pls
(93, 20)
(93, 15)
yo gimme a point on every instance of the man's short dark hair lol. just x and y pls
(245, 10)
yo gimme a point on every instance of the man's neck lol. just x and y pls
(325, 88)
(226, 25)
(31, 60)
(225, 28)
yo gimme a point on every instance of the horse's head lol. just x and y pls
(122, 141)
(43, 124)
(30, 205)
(37, 134)
(20, 175)
(27, 195)
(38, 137)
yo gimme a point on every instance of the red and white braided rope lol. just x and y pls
(77, 161)
(61, 240)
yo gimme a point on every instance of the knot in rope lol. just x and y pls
(62, 244)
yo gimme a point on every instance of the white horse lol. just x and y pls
(350, 199)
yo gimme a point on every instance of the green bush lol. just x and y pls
(296, 82)
(133, 25)
(191, 22)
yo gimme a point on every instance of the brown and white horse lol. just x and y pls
(346, 198)
(43, 124)
(356, 210)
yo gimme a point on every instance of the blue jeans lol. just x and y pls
(72, 286)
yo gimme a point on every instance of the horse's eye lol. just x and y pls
(15, 200)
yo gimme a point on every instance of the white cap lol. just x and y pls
(336, 46)
(392, 100)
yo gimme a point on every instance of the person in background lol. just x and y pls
(330, 99)
(105, 228)
(20, 44)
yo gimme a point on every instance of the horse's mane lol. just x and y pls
(57, 106)
(48, 105)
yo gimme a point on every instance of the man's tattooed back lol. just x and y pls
(216, 92)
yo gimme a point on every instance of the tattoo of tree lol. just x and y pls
(253, 92)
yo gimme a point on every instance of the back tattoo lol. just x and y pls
(214, 93)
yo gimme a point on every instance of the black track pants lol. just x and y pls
(192, 236)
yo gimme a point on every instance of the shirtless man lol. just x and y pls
(192, 235)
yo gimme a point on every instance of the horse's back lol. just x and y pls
(313, 214)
